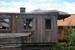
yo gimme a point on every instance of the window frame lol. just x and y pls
(1, 21)
(33, 23)
(50, 24)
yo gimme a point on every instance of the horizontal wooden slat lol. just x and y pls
(9, 35)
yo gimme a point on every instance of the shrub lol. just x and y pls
(63, 46)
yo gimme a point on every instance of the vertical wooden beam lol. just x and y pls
(54, 28)
(13, 30)
(20, 24)
(22, 43)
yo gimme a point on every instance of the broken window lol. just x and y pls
(28, 23)
(48, 23)
(4, 24)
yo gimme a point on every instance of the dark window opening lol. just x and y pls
(28, 24)
(35, 49)
(48, 23)
(3, 27)
(60, 27)
(73, 27)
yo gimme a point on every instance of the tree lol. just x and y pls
(70, 38)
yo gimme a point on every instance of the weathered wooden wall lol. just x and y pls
(39, 33)
(10, 48)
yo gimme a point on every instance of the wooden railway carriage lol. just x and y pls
(41, 24)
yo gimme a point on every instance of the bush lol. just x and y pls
(63, 46)
(72, 47)
(70, 41)
(59, 46)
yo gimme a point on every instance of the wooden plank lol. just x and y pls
(13, 22)
(10, 35)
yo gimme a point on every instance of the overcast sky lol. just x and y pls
(14, 5)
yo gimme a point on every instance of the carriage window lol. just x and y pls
(48, 23)
(4, 24)
(28, 23)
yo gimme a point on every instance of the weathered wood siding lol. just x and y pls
(10, 48)
(39, 33)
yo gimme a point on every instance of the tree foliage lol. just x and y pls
(70, 38)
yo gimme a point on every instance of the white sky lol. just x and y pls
(14, 5)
